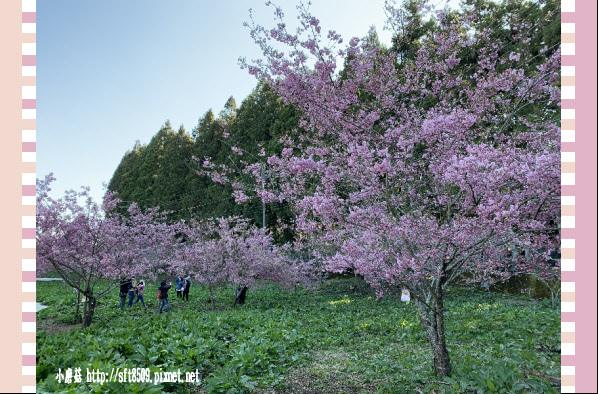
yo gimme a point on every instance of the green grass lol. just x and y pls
(334, 339)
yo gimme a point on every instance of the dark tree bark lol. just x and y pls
(240, 295)
(88, 311)
(212, 300)
(432, 320)
(77, 314)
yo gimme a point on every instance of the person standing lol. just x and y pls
(132, 291)
(179, 286)
(186, 287)
(124, 288)
(140, 287)
(163, 289)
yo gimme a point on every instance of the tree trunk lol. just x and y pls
(77, 314)
(432, 321)
(240, 295)
(212, 298)
(88, 310)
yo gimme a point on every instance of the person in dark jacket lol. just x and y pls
(186, 287)
(124, 288)
(164, 300)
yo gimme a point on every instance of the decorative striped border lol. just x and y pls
(568, 197)
(28, 159)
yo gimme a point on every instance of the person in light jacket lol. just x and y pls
(140, 287)
(132, 291)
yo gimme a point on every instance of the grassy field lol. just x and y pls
(335, 339)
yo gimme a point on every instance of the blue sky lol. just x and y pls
(112, 72)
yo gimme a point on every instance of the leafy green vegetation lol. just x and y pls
(333, 339)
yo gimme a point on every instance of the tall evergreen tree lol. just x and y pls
(229, 112)
(170, 182)
(127, 174)
(203, 124)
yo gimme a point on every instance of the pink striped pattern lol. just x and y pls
(28, 60)
(28, 317)
(568, 197)
(28, 233)
(28, 190)
(28, 152)
(28, 147)
(28, 103)
(29, 361)
(28, 276)
(28, 17)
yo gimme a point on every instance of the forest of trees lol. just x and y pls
(163, 173)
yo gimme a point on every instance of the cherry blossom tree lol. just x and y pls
(416, 170)
(86, 243)
(201, 256)
(232, 251)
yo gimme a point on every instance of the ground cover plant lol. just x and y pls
(337, 338)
